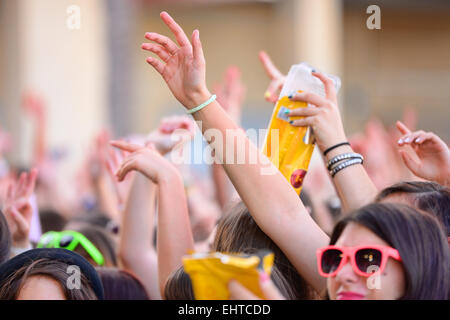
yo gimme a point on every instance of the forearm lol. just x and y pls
(260, 185)
(138, 220)
(136, 252)
(106, 198)
(174, 230)
(224, 187)
(270, 199)
(353, 184)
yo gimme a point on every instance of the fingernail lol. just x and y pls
(267, 94)
(407, 140)
(263, 277)
(418, 140)
(287, 111)
(290, 96)
(291, 122)
(313, 70)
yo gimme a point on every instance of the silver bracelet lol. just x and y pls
(344, 165)
(343, 156)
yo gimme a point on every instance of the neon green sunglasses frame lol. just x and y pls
(52, 239)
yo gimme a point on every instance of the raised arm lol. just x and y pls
(136, 251)
(273, 203)
(354, 186)
(174, 237)
(230, 95)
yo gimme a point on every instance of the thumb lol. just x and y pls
(239, 292)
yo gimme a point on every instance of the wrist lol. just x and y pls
(196, 98)
(169, 177)
(337, 151)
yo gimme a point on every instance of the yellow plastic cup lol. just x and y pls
(290, 154)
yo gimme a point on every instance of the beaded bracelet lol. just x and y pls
(341, 157)
(204, 104)
(344, 165)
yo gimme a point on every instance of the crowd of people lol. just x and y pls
(132, 214)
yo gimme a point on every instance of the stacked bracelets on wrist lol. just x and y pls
(343, 161)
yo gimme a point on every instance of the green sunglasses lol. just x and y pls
(70, 240)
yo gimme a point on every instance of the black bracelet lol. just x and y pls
(334, 147)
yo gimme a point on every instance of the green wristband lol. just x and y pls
(204, 104)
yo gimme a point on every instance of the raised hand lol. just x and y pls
(112, 161)
(172, 132)
(145, 160)
(231, 93)
(430, 156)
(322, 114)
(277, 79)
(182, 66)
(17, 208)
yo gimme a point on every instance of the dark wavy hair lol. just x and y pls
(237, 232)
(420, 240)
(430, 197)
(51, 268)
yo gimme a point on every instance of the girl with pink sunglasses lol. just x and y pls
(380, 252)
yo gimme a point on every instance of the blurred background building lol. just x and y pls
(96, 76)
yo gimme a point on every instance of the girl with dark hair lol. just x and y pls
(415, 255)
(429, 197)
(384, 251)
(49, 274)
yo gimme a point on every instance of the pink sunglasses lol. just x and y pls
(364, 259)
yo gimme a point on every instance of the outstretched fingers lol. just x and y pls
(157, 49)
(268, 65)
(181, 37)
(164, 41)
(31, 182)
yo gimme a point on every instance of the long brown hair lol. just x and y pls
(51, 268)
(237, 232)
